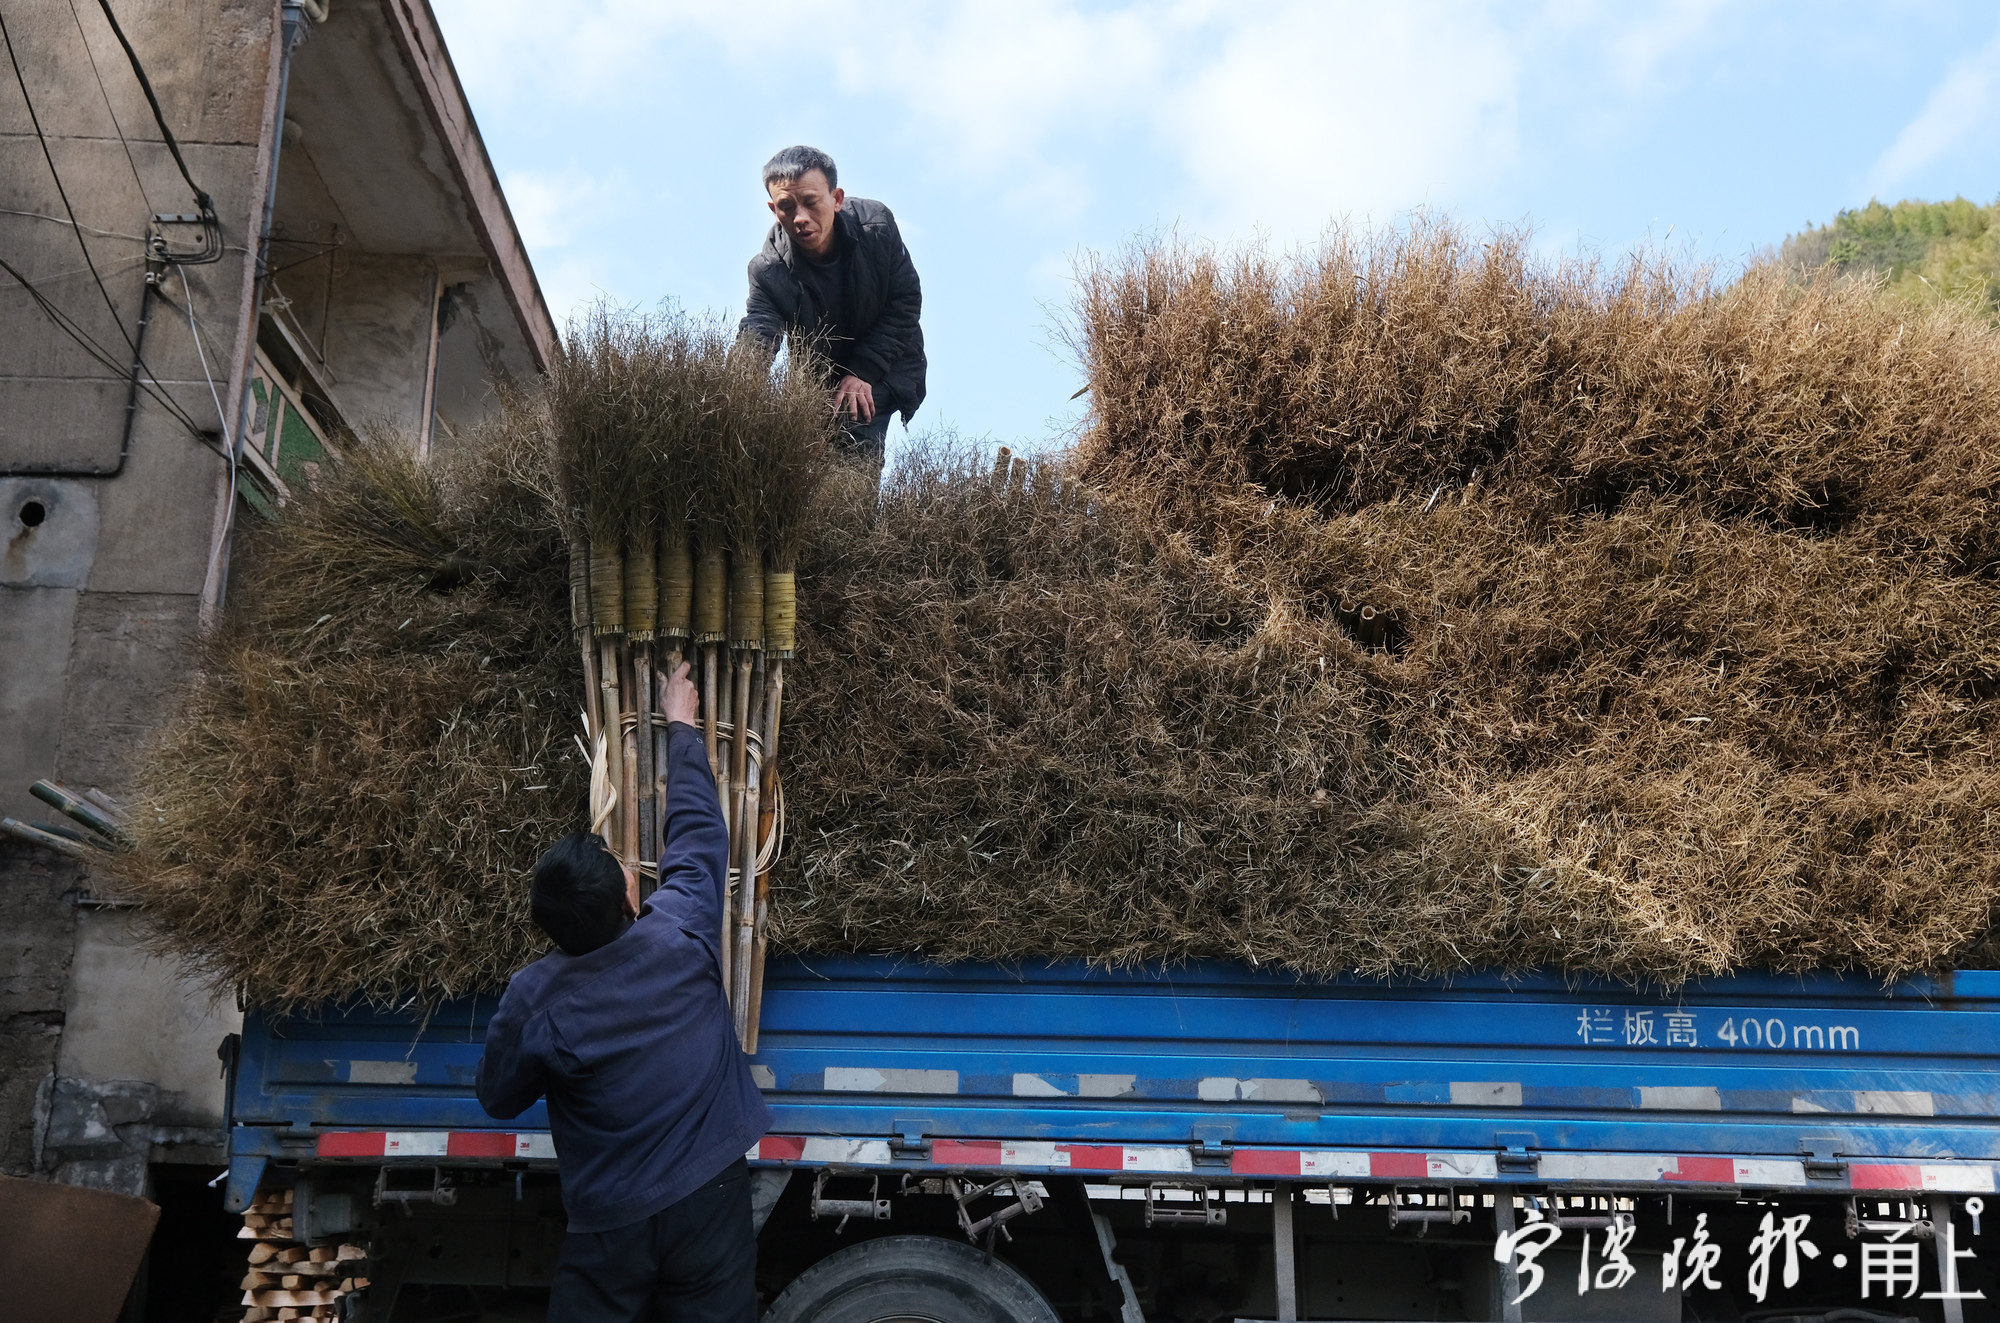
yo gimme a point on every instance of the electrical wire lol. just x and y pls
(116, 127)
(7, 39)
(159, 117)
(218, 550)
(57, 220)
(148, 382)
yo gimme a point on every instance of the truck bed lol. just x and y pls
(1824, 1082)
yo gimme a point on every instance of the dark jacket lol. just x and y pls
(649, 1096)
(869, 327)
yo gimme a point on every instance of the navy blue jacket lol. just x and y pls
(649, 1095)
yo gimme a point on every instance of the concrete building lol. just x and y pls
(335, 257)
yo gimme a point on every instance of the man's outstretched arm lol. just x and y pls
(694, 845)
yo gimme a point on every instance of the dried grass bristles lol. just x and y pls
(1408, 608)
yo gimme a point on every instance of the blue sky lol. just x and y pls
(1012, 137)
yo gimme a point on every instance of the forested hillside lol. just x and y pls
(1927, 250)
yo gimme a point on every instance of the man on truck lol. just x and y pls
(625, 1028)
(834, 278)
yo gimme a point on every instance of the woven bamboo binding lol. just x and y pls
(642, 594)
(607, 589)
(675, 572)
(710, 585)
(746, 600)
(781, 612)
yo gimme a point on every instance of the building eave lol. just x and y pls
(417, 36)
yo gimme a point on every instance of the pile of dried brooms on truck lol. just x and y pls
(1406, 608)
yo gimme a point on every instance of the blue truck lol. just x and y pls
(1022, 1144)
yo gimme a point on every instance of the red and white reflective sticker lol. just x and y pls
(464, 1145)
(1300, 1164)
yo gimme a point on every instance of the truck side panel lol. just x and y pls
(1817, 1080)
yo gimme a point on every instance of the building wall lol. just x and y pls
(107, 532)
(396, 284)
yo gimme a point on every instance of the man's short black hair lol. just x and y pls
(578, 896)
(794, 162)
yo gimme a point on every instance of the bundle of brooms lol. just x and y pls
(1405, 609)
(683, 469)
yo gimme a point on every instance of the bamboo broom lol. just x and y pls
(585, 400)
(676, 622)
(642, 613)
(801, 444)
(746, 637)
(673, 399)
(607, 619)
(579, 621)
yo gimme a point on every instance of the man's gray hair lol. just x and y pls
(787, 166)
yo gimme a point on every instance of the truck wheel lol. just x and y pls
(910, 1279)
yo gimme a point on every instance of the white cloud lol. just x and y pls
(553, 210)
(1649, 42)
(1307, 110)
(1964, 104)
(547, 206)
(1269, 116)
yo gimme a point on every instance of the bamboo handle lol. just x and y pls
(739, 1000)
(642, 780)
(611, 726)
(774, 704)
(708, 714)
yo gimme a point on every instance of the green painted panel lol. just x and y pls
(297, 447)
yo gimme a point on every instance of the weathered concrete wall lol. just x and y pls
(50, 531)
(37, 934)
(136, 1078)
(379, 339)
(130, 1015)
(109, 516)
(104, 551)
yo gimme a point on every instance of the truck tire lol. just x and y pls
(910, 1279)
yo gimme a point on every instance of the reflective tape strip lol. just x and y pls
(351, 1144)
(1399, 1166)
(1096, 1157)
(1788, 1172)
(1885, 1176)
(1945, 1177)
(834, 1152)
(1622, 1168)
(965, 1152)
(780, 1148)
(1034, 1155)
(479, 1144)
(1347, 1165)
(1708, 1171)
(1957, 1179)
(416, 1144)
(461, 1145)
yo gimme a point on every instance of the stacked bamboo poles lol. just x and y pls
(688, 470)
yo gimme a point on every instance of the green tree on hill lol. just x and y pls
(1924, 251)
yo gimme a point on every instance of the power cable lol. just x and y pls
(116, 127)
(57, 220)
(35, 120)
(148, 382)
(218, 550)
(146, 85)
